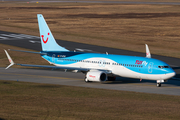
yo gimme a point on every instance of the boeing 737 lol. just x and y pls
(97, 67)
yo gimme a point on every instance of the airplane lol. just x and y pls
(97, 67)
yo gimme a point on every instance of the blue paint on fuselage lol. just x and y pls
(137, 64)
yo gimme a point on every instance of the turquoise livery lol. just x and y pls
(98, 67)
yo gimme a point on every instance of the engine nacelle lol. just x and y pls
(97, 76)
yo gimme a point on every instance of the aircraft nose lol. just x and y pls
(173, 74)
(170, 75)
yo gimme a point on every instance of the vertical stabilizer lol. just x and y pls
(47, 40)
(148, 54)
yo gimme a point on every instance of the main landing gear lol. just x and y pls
(86, 80)
(109, 79)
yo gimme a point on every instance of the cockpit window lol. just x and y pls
(163, 67)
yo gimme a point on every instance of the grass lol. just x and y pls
(112, 25)
(21, 100)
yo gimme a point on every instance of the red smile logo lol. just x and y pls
(45, 41)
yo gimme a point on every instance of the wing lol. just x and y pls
(27, 52)
(45, 66)
(50, 66)
(55, 67)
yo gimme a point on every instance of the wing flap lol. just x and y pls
(65, 68)
(55, 67)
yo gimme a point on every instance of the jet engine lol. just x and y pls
(98, 76)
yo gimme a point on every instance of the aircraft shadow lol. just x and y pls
(175, 81)
(122, 80)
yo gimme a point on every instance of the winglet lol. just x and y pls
(148, 54)
(10, 60)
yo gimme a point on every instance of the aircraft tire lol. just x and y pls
(158, 84)
(86, 80)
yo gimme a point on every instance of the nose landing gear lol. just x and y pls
(159, 82)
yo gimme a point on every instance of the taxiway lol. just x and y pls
(172, 87)
(77, 79)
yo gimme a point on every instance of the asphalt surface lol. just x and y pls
(108, 2)
(76, 79)
(172, 87)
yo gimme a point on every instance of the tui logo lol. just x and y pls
(141, 62)
(45, 41)
(138, 62)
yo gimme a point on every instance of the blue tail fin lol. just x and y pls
(47, 40)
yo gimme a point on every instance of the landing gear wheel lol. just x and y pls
(86, 80)
(158, 84)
